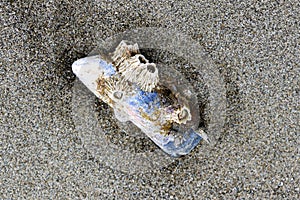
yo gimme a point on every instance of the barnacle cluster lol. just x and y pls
(135, 86)
(134, 67)
(154, 97)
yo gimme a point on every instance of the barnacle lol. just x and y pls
(113, 89)
(123, 52)
(137, 69)
(156, 99)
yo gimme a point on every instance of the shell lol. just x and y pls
(151, 96)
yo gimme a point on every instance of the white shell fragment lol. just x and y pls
(146, 94)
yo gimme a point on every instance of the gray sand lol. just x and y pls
(254, 45)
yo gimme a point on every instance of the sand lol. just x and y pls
(45, 154)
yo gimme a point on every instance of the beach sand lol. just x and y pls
(44, 153)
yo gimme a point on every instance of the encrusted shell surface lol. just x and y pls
(155, 98)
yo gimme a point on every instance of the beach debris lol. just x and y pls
(154, 97)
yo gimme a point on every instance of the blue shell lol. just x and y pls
(142, 102)
(163, 107)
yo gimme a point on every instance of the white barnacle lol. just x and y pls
(138, 70)
(123, 52)
(184, 115)
(179, 115)
(112, 89)
(148, 78)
